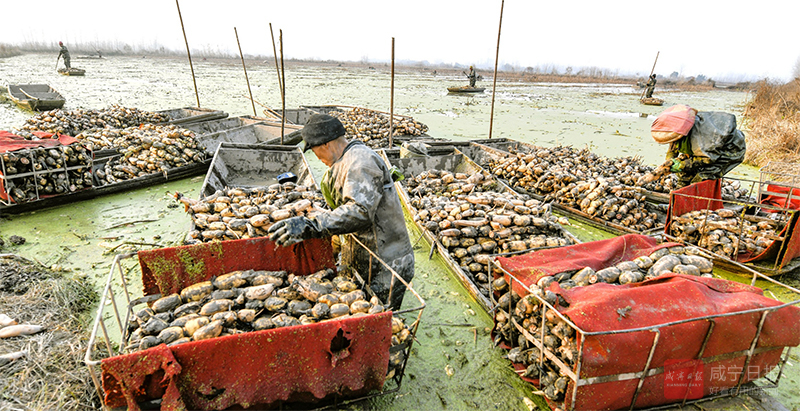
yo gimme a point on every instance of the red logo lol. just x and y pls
(683, 379)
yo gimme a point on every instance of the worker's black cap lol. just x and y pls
(320, 129)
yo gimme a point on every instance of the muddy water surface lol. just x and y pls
(83, 237)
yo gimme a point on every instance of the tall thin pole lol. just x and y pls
(188, 53)
(391, 102)
(275, 54)
(651, 73)
(496, 60)
(283, 86)
(245, 73)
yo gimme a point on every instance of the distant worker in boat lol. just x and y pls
(63, 53)
(472, 77)
(703, 145)
(651, 85)
(360, 190)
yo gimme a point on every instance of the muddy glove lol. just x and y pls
(293, 230)
(676, 166)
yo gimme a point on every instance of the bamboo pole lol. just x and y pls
(245, 73)
(496, 60)
(391, 102)
(283, 86)
(189, 54)
(651, 73)
(275, 55)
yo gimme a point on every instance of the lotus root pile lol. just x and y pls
(251, 300)
(559, 337)
(144, 150)
(74, 122)
(33, 173)
(236, 213)
(473, 219)
(726, 233)
(372, 127)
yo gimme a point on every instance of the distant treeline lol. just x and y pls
(539, 73)
(9, 51)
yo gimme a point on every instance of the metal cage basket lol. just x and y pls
(109, 334)
(578, 381)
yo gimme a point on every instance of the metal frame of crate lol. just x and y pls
(92, 360)
(575, 375)
(787, 215)
(37, 173)
(773, 173)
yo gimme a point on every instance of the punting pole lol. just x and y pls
(651, 73)
(496, 59)
(391, 101)
(283, 86)
(275, 55)
(245, 73)
(188, 54)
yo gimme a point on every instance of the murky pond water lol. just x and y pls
(84, 237)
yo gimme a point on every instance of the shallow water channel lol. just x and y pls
(83, 237)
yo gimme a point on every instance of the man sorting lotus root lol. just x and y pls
(360, 191)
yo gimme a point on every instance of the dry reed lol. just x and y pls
(772, 121)
(52, 376)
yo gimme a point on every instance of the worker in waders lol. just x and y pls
(651, 85)
(472, 77)
(359, 188)
(63, 53)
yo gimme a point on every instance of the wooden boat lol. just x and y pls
(72, 71)
(482, 152)
(652, 101)
(254, 165)
(266, 138)
(40, 97)
(186, 115)
(226, 123)
(466, 89)
(451, 159)
(97, 191)
(258, 133)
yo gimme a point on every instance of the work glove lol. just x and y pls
(292, 231)
(680, 164)
(676, 166)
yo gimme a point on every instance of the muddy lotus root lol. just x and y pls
(558, 335)
(254, 300)
(237, 213)
(726, 232)
(473, 219)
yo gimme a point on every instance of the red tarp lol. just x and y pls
(711, 193)
(781, 199)
(300, 363)
(606, 307)
(12, 142)
(529, 268)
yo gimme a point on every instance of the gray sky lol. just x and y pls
(726, 40)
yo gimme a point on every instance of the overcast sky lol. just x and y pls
(727, 40)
